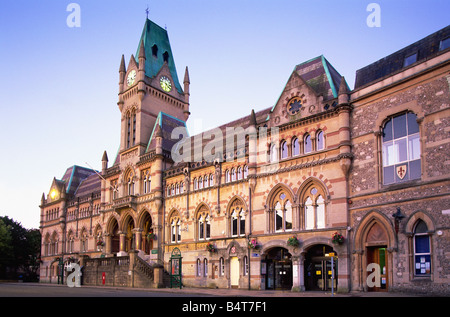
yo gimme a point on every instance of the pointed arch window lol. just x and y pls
(227, 176)
(233, 174)
(203, 224)
(245, 171)
(273, 153)
(307, 144)
(130, 184)
(284, 150)
(295, 147)
(320, 141)
(282, 212)
(131, 128)
(422, 250)
(314, 208)
(175, 230)
(155, 50)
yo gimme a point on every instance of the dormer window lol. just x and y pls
(445, 43)
(155, 50)
(166, 57)
(411, 59)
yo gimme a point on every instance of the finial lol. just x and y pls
(147, 11)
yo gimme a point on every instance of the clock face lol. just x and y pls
(131, 77)
(165, 83)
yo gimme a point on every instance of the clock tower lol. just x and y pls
(147, 86)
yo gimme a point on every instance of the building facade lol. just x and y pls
(330, 187)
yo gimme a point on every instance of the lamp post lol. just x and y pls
(398, 216)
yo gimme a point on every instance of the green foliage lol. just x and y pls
(19, 250)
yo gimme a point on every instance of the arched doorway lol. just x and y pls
(128, 228)
(278, 269)
(147, 234)
(115, 237)
(376, 245)
(318, 268)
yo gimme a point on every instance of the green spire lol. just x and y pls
(157, 52)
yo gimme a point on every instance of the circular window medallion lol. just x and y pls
(294, 105)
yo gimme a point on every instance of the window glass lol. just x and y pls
(242, 223)
(422, 244)
(399, 126)
(284, 150)
(295, 147)
(308, 144)
(320, 143)
(401, 149)
(413, 126)
(444, 44)
(411, 59)
(414, 147)
(288, 215)
(387, 131)
(278, 217)
(320, 212)
(309, 214)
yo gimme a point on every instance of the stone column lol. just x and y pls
(108, 243)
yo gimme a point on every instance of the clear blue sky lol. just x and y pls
(59, 85)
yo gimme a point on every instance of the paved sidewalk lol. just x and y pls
(220, 292)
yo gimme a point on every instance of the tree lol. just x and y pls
(19, 250)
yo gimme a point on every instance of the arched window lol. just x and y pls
(177, 189)
(320, 145)
(295, 147)
(227, 176)
(130, 184)
(221, 267)
(204, 223)
(146, 186)
(205, 267)
(195, 184)
(237, 218)
(175, 228)
(205, 181)
(284, 150)
(245, 171)
(155, 50)
(422, 250)
(273, 153)
(211, 180)
(199, 267)
(246, 264)
(307, 144)
(233, 174)
(282, 212)
(131, 128)
(401, 149)
(200, 182)
(314, 206)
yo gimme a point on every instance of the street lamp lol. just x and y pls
(398, 216)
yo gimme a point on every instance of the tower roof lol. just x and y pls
(321, 76)
(156, 45)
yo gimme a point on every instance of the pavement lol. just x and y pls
(226, 292)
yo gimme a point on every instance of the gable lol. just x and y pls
(311, 85)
